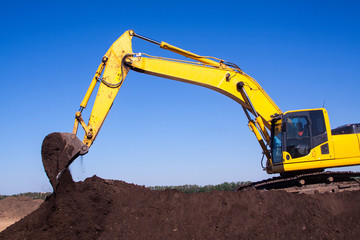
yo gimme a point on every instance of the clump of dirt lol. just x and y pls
(58, 151)
(54, 156)
(109, 209)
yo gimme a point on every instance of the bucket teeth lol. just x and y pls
(58, 151)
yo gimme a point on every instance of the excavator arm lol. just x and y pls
(110, 74)
(209, 72)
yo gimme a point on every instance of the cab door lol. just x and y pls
(306, 137)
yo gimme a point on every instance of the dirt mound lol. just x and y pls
(18, 207)
(107, 209)
(13, 209)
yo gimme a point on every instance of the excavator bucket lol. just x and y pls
(58, 151)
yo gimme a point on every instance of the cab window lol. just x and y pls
(298, 142)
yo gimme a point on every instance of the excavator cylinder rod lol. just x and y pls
(180, 51)
(145, 38)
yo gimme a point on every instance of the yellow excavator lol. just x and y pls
(294, 143)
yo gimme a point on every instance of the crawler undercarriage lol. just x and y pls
(310, 183)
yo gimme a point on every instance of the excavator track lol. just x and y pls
(309, 183)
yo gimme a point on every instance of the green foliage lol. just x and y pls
(226, 186)
(36, 195)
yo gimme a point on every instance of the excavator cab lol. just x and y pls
(302, 141)
(298, 138)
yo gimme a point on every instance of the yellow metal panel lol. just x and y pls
(346, 145)
(321, 164)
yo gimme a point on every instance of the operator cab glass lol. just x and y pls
(297, 136)
(297, 133)
(276, 149)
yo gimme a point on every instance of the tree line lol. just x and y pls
(226, 186)
(33, 195)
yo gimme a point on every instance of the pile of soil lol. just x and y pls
(13, 209)
(109, 209)
(18, 207)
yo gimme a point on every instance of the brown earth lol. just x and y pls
(108, 209)
(12, 209)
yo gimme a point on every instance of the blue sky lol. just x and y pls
(162, 132)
